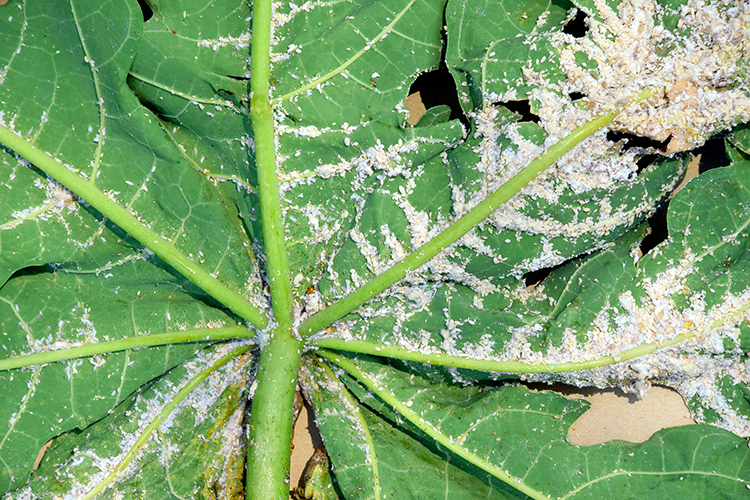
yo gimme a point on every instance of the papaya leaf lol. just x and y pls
(184, 180)
(197, 449)
(520, 436)
(45, 312)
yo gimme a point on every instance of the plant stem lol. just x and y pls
(271, 418)
(462, 226)
(163, 414)
(137, 342)
(121, 216)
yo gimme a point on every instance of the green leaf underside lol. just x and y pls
(352, 113)
(82, 112)
(673, 291)
(386, 461)
(154, 115)
(191, 71)
(51, 311)
(395, 203)
(524, 434)
(198, 450)
(487, 52)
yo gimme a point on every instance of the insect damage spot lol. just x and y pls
(713, 154)
(522, 108)
(534, 278)
(32, 271)
(659, 231)
(635, 141)
(238, 78)
(437, 88)
(576, 96)
(577, 26)
(148, 12)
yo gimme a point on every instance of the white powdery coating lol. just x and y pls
(700, 91)
(597, 163)
(204, 397)
(420, 229)
(692, 366)
(375, 159)
(393, 244)
(368, 251)
(318, 219)
(598, 227)
(201, 400)
(279, 19)
(307, 306)
(232, 449)
(694, 97)
(59, 199)
(456, 273)
(242, 41)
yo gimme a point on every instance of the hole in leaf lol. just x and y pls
(522, 108)
(659, 231)
(533, 278)
(615, 414)
(437, 88)
(636, 141)
(713, 155)
(576, 96)
(33, 271)
(644, 162)
(148, 13)
(577, 26)
(239, 78)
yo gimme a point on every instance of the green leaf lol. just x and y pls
(434, 116)
(521, 436)
(196, 450)
(317, 479)
(486, 49)
(310, 206)
(191, 71)
(342, 76)
(45, 311)
(84, 114)
(43, 223)
(691, 292)
(741, 138)
(375, 457)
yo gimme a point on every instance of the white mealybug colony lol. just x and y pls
(599, 182)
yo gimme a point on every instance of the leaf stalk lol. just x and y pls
(490, 365)
(136, 342)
